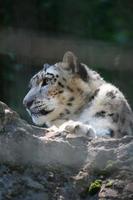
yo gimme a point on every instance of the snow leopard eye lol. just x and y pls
(45, 82)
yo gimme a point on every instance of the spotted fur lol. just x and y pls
(69, 90)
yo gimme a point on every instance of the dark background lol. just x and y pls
(33, 32)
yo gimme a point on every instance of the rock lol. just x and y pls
(33, 184)
(129, 187)
(108, 193)
(42, 164)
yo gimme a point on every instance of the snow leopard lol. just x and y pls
(73, 97)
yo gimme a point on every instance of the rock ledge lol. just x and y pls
(39, 165)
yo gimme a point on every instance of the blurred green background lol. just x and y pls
(33, 32)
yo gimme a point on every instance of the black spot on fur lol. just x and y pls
(69, 104)
(71, 99)
(79, 90)
(96, 92)
(67, 111)
(94, 95)
(60, 84)
(70, 89)
(101, 113)
(61, 91)
(62, 114)
(64, 79)
(111, 94)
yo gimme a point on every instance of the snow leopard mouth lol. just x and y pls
(45, 112)
(41, 112)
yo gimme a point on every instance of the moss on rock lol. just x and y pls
(95, 187)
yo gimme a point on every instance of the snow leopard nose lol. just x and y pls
(27, 104)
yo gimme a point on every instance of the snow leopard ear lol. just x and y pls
(71, 62)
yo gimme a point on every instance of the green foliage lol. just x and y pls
(95, 187)
(98, 19)
(109, 183)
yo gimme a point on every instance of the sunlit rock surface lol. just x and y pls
(37, 164)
